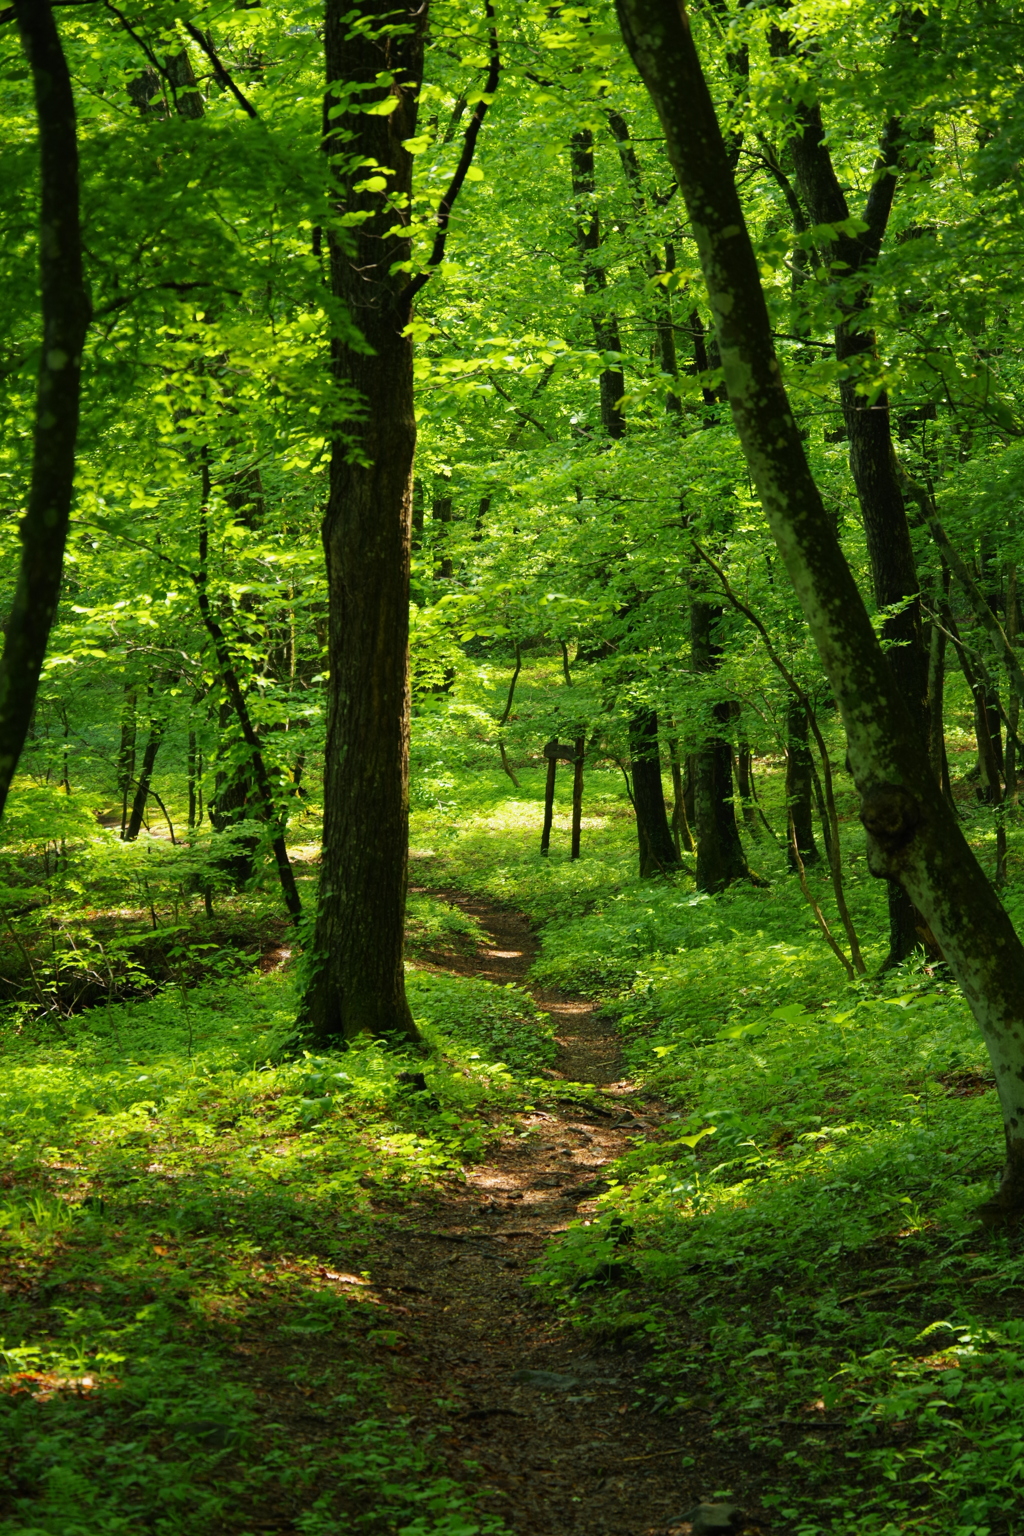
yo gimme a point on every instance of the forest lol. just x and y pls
(511, 852)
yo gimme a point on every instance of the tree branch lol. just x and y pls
(218, 68)
(444, 209)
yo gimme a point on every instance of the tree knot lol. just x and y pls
(890, 814)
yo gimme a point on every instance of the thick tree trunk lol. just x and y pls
(912, 834)
(800, 786)
(720, 856)
(357, 982)
(868, 429)
(65, 320)
(657, 850)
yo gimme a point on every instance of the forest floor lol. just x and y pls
(670, 1212)
(551, 1423)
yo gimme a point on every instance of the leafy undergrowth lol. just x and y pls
(801, 1253)
(797, 1250)
(189, 1343)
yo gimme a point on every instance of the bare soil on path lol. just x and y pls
(545, 1422)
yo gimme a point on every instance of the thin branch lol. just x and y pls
(819, 916)
(141, 41)
(218, 68)
(835, 861)
(512, 685)
(444, 209)
(525, 415)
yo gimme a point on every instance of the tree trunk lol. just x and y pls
(912, 834)
(595, 281)
(549, 803)
(657, 850)
(720, 856)
(441, 513)
(800, 786)
(144, 782)
(681, 834)
(357, 982)
(868, 429)
(126, 754)
(577, 797)
(937, 685)
(1013, 711)
(65, 320)
(745, 778)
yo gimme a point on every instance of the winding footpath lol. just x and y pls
(543, 1420)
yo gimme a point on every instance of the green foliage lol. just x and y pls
(480, 1021)
(174, 1211)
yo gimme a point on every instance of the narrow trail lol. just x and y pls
(549, 1419)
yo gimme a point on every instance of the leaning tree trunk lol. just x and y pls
(65, 316)
(657, 849)
(357, 982)
(913, 836)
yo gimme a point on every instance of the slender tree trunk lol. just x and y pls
(441, 512)
(65, 320)
(126, 754)
(1013, 710)
(577, 797)
(595, 281)
(657, 850)
(193, 780)
(745, 778)
(145, 780)
(912, 833)
(799, 787)
(358, 983)
(868, 429)
(682, 837)
(264, 792)
(720, 856)
(936, 685)
(549, 803)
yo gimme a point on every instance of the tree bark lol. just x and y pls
(912, 834)
(144, 782)
(799, 787)
(595, 280)
(65, 320)
(357, 980)
(577, 797)
(873, 462)
(126, 753)
(720, 856)
(657, 850)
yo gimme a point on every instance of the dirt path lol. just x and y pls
(549, 1420)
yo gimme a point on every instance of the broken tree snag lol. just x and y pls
(577, 797)
(556, 752)
(913, 830)
(549, 798)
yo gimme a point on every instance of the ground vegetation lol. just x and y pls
(510, 859)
